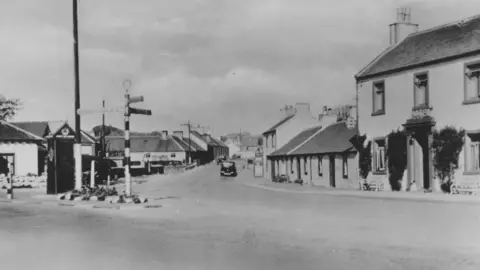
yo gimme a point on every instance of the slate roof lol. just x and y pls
(296, 141)
(40, 129)
(43, 128)
(432, 45)
(10, 132)
(197, 134)
(144, 144)
(333, 139)
(277, 125)
(193, 144)
(219, 143)
(183, 144)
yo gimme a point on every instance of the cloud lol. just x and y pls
(222, 63)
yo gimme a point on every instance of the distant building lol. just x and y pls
(295, 119)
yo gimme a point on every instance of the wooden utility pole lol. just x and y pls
(78, 137)
(189, 158)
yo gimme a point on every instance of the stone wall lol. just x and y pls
(24, 181)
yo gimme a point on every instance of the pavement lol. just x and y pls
(210, 222)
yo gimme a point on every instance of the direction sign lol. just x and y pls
(101, 110)
(135, 99)
(140, 111)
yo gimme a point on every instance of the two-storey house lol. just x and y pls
(424, 80)
(296, 119)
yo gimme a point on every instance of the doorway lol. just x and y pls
(299, 169)
(332, 170)
(272, 162)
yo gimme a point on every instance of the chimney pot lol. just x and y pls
(402, 27)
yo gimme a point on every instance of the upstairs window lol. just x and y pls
(472, 82)
(378, 98)
(421, 95)
(379, 157)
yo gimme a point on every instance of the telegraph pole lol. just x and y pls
(189, 142)
(78, 137)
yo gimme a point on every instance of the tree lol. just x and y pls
(109, 131)
(8, 107)
(260, 141)
(397, 158)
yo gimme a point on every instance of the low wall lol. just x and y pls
(24, 181)
(178, 169)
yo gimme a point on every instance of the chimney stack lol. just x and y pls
(207, 137)
(178, 133)
(164, 134)
(402, 27)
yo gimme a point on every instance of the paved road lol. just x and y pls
(217, 223)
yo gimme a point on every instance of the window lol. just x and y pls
(291, 167)
(379, 158)
(7, 162)
(472, 82)
(378, 98)
(472, 152)
(305, 165)
(421, 94)
(320, 166)
(345, 167)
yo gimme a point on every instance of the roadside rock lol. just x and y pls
(79, 198)
(128, 200)
(61, 197)
(94, 198)
(69, 196)
(143, 199)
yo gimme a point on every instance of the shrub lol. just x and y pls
(397, 158)
(447, 145)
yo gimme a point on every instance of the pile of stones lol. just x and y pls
(27, 181)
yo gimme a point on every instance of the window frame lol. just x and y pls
(375, 157)
(9, 154)
(320, 166)
(427, 90)
(468, 168)
(305, 165)
(374, 92)
(466, 67)
(345, 166)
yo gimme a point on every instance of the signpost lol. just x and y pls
(127, 110)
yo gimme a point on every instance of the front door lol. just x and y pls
(272, 162)
(332, 171)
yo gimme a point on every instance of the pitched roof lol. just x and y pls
(219, 142)
(277, 125)
(10, 132)
(333, 139)
(250, 141)
(193, 144)
(183, 144)
(144, 144)
(296, 141)
(197, 134)
(38, 128)
(429, 46)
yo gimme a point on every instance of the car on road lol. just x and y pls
(228, 168)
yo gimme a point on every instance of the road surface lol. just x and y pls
(216, 223)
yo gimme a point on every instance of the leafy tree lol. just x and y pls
(109, 131)
(447, 145)
(397, 158)
(260, 141)
(8, 107)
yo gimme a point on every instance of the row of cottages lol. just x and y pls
(320, 156)
(244, 145)
(296, 119)
(24, 144)
(215, 147)
(425, 80)
(145, 149)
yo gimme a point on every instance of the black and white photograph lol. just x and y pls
(235, 135)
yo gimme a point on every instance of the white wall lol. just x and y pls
(446, 90)
(88, 150)
(26, 156)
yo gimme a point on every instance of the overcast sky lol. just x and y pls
(227, 64)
